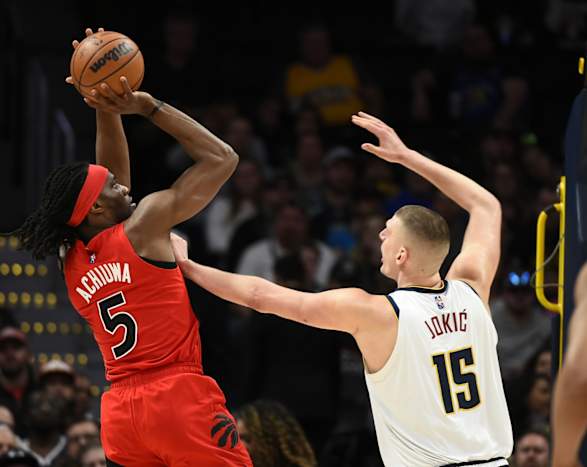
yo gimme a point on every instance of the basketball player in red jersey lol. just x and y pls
(122, 278)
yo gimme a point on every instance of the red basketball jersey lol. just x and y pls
(140, 314)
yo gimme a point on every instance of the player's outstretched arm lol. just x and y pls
(111, 144)
(347, 310)
(570, 401)
(477, 263)
(214, 162)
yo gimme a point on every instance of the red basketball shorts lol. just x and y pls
(170, 417)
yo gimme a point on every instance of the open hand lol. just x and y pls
(391, 148)
(75, 44)
(102, 97)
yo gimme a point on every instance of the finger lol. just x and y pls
(107, 92)
(75, 43)
(359, 121)
(365, 123)
(370, 117)
(126, 87)
(102, 98)
(89, 32)
(90, 103)
(372, 149)
(99, 105)
(100, 29)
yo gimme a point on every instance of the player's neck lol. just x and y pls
(87, 232)
(432, 281)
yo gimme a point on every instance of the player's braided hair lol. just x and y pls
(277, 437)
(45, 230)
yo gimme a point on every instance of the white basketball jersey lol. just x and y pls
(439, 399)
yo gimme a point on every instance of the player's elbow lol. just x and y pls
(255, 298)
(226, 159)
(492, 204)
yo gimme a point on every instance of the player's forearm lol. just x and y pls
(250, 291)
(569, 416)
(111, 146)
(234, 288)
(461, 189)
(199, 143)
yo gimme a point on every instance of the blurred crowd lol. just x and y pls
(305, 206)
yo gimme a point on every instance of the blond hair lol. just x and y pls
(426, 225)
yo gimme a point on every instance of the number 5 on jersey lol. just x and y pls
(459, 378)
(112, 322)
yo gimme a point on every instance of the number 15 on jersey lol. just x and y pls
(463, 384)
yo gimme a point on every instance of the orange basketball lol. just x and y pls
(103, 58)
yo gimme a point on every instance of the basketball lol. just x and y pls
(103, 58)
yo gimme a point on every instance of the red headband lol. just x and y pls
(89, 194)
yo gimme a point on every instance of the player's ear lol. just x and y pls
(97, 208)
(401, 256)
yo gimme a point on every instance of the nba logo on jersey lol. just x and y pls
(439, 302)
(92, 258)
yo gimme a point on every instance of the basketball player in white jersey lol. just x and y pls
(570, 395)
(429, 347)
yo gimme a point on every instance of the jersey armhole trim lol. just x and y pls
(160, 264)
(471, 287)
(394, 305)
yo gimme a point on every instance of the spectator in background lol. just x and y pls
(17, 379)
(226, 213)
(46, 422)
(82, 397)
(415, 190)
(532, 449)
(79, 434)
(57, 378)
(18, 458)
(530, 407)
(285, 351)
(273, 436)
(363, 262)
(476, 91)
(333, 222)
(174, 74)
(433, 23)
(328, 82)
(521, 324)
(8, 439)
(289, 233)
(481, 91)
(539, 169)
(271, 128)
(93, 455)
(278, 191)
(241, 136)
(6, 417)
(308, 171)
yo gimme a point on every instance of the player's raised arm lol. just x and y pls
(477, 263)
(570, 403)
(214, 162)
(348, 310)
(111, 144)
